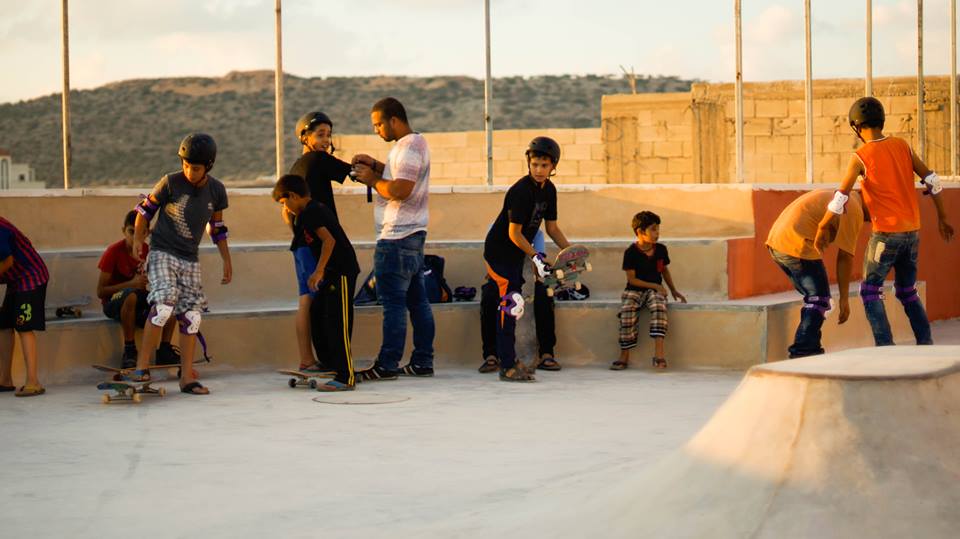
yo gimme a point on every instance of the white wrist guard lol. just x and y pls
(933, 184)
(838, 203)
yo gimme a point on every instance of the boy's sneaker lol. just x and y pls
(375, 373)
(167, 354)
(129, 358)
(412, 370)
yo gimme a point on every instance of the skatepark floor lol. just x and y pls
(258, 459)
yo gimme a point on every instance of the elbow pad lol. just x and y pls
(838, 203)
(147, 208)
(932, 182)
(218, 231)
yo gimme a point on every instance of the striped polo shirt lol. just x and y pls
(28, 271)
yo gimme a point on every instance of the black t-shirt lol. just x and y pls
(527, 204)
(185, 210)
(647, 267)
(319, 169)
(343, 260)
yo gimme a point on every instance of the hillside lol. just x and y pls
(125, 133)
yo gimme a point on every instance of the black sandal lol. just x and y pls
(549, 363)
(189, 389)
(490, 364)
(618, 365)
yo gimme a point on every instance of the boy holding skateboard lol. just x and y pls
(122, 289)
(185, 203)
(887, 165)
(530, 201)
(26, 276)
(333, 280)
(645, 263)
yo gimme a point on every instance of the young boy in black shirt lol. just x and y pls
(318, 166)
(333, 280)
(530, 201)
(645, 263)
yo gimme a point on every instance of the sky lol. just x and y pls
(113, 40)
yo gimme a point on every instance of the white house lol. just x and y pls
(16, 175)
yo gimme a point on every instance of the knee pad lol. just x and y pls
(822, 304)
(907, 294)
(512, 304)
(871, 292)
(160, 313)
(190, 322)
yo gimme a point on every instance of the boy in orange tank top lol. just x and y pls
(887, 165)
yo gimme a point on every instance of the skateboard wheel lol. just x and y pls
(589, 267)
(292, 382)
(559, 274)
(162, 391)
(313, 384)
(105, 399)
(137, 398)
(549, 292)
(576, 285)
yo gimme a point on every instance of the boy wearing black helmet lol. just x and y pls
(318, 166)
(530, 201)
(186, 203)
(887, 165)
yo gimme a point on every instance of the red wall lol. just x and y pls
(750, 271)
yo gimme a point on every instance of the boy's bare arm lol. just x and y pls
(6, 264)
(515, 231)
(224, 250)
(667, 278)
(831, 221)
(844, 267)
(921, 169)
(140, 228)
(104, 290)
(553, 230)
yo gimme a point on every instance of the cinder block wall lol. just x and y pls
(459, 158)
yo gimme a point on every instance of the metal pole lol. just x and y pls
(953, 87)
(868, 91)
(738, 100)
(487, 91)
(65, 99)
(921, 117)
(808, 93)
(278, 92)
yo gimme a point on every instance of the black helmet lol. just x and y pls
(309, 120)
(867, 111)
(546, 146)
(198, 149)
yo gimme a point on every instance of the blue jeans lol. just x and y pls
(897, 251)
(398, 268)
(809, 277)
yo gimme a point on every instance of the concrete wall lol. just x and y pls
(460, 158)
(690, 137)
(87, 218)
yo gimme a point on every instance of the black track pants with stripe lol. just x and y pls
(331, 323)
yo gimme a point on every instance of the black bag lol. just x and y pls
(367, 292)
(436, 286)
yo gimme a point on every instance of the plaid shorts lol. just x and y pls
(175, 281)
(631, 301)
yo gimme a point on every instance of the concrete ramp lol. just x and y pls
(860, 443)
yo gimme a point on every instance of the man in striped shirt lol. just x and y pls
(25, 276)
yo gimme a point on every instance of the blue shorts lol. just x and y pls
(305, 264)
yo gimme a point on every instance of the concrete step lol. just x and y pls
(263, 272)
(722, 334)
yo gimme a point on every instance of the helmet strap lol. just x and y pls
(856, 129)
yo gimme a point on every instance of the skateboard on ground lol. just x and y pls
(309, 379)
(126, 390)
(566, 268)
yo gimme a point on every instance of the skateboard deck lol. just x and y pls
(305, 378)
(128, 391)
(566, 268)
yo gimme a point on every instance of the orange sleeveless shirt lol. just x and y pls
(889, 189)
